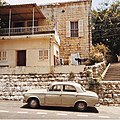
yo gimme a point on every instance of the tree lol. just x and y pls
(2, 3)
(2, 20)
(106, 26)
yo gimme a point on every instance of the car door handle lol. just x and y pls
(60, 95)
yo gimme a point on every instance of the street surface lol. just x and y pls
(19, 110)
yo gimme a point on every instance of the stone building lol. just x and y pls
(72, 21)
(34, 39)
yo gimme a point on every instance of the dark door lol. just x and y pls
(21, 58)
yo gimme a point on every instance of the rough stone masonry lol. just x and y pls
(13, 86)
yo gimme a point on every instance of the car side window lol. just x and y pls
(55, 88)
(69, 88)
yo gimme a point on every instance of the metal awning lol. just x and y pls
(21, 12)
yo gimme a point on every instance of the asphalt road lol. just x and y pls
(19, 110)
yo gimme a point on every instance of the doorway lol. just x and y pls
(21, 58)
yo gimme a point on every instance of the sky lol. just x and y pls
(95, 3)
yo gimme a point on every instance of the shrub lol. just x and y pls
(71, 76)
(98, 54)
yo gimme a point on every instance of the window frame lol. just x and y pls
(43, 54)
(3, 55)
(74, 29)
(80, 28)
(51, 89)
(68, 90)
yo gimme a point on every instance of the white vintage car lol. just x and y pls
(67, 94)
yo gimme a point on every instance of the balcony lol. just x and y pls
(27, 30)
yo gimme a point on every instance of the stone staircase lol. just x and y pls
(113, 73)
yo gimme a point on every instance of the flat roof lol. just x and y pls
(65, 2)
(21, 12)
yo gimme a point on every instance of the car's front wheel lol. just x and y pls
(33, 103)
(81, 106)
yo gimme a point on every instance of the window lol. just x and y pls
(43, 54)
(69, 88)
(3, 55)
(55, 88)
(74, 29)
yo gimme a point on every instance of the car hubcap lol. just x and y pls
(33, 103)
(81, 106)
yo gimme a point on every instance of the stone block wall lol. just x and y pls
(13, 86)
(60, 14)
(110, 94)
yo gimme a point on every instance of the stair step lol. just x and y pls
(113, 73)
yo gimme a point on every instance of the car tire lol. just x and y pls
(81, 106)
(33, 103)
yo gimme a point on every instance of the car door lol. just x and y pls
(53, 96)
(69, 94)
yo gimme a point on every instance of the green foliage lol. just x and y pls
(94, 85)
(71, 76)
(98, 54)
(3, 19)
(3, 3)
(106, 26)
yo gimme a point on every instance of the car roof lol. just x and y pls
(66, 83)
(76, 85)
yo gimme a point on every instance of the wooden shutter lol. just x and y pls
(67, 28)
(81, 28)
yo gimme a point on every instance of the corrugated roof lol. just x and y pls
(21, 12)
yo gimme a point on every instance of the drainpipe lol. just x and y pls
(89, 26)
(33, 20)
(10, 11)
(50, 52)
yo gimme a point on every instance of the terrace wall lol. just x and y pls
(12, 86)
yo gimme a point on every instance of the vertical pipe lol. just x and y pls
(9, 21)
(33, 20)
(50, 52)
(89, 26)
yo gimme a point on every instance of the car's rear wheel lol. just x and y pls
(33, 103)
(81, 106)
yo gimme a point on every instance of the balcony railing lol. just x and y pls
(27, 30)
